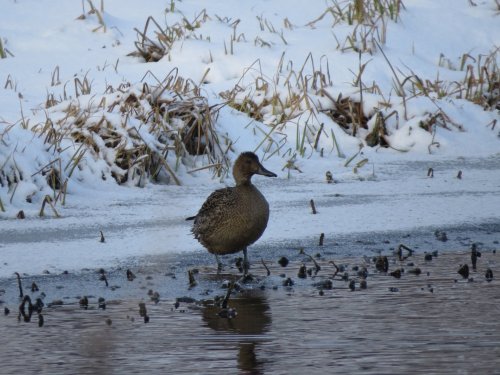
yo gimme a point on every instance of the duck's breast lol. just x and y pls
(255, 211)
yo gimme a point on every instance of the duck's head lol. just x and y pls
(246, 166)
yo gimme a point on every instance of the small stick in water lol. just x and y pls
(337, 269)
(474, 255)
(103, 277)
(400, 253)
(130, 275)
(143, 312)
(313, 207)
(265, 266)
(316, 265)
(20, 285)
(321, 239)
(329, 177)
(22, 310)
(228, 294)
(192, 280)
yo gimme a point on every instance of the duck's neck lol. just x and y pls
(243, 180)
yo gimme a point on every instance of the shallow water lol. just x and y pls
(436, 323)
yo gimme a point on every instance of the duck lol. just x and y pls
(233, 218)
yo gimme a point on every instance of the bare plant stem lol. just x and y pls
(337, 269)
(265, 266)
(228, 294)
(316, 141)
(313, 207)
(19, 284)
(48, 200)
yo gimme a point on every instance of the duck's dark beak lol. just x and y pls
(264, 172)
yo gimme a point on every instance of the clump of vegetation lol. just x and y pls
(94, 11)
(142, 132)
(155, 41)
(132, 133)
(480, 85)
(287, 100)
(300, 97)
(368, 20)
(304, 100)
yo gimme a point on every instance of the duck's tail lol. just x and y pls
(191, 218)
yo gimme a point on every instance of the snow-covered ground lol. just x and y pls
(59, 66)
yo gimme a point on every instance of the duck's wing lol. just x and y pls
(215, 213)
(218, 198)
(217, 202)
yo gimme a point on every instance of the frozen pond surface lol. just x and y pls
(355, 216)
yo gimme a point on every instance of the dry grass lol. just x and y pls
(295, 99)
(98, 12)
(4, 51)
(154, 41)
(361, 11)
(158, 126)
(286, 99)
(295, 96)
(133, 134)
(3, 54)
(480, 85)
(368, 19)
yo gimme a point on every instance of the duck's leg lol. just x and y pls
(219, 263)
(246, 263)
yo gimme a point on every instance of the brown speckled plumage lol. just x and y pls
(235, 217)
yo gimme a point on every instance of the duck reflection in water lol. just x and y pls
(248, 328)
